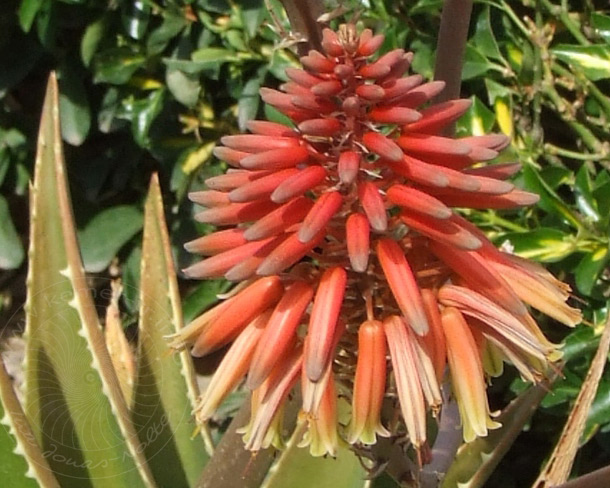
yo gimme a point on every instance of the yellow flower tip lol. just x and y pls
(467, 375)
(322, 436)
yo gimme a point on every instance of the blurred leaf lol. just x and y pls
(92, 38)
(476, 460)
(202, 297)
(116, 65)
(27, 13)
(23, 464)
(214, 55)
(247, 105)
(590, 267)
(301, 470)
(165, 390)
(584, 194)
(594, 61)
(185, 88)
(601, 24)
(143, 112)
(542, 244)
(162, 35)
(18, 57)
(579, 343)
(549, 200)
(252, 14)
(484, 39)
(117, 225)
(73, 106)
(72, 399)
(475, 63)
(478, 120)
(11, 248)
(135, 16)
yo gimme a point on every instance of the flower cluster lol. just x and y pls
(342, 236)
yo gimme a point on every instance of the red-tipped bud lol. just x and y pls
(369, 384)
(373, 205)
(242, 309)
(324, 315)
(402, 283)
(255, 143)
(320, 214)
(326, 127)
(216, 242)
(280, 219)
(317, 62)
(261, 188)
(358, 241)
(348, 167)
(276, 158)
(280, 333)
(372, 93)
(298, 184)
(419, 201)
(383, 146)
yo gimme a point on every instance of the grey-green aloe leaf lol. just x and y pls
(297, 468)
(165, 390)
(72, 398)
(23, 465)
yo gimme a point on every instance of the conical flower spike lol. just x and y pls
(410, 394)
(467, 376)
(369, 385)
(403, 284)
(324, 316)
(353, 200)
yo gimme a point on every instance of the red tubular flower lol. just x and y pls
(342, 229)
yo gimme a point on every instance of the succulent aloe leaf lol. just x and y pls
(165, 390)
(476, 460)
(296, 468)
(72, 397)
(23, 465)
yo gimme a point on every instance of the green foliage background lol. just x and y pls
(149, 86)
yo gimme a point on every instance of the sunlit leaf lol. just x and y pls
(590, 267)
(165, 390)
(11, 248)
(594, 60)
(72, 399)
(23, 464)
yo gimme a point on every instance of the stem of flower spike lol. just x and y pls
(451, 46)
(303, 16)
(232, 465)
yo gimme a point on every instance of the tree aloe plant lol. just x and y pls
(355, 274)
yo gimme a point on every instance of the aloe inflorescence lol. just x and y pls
(342, 236)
